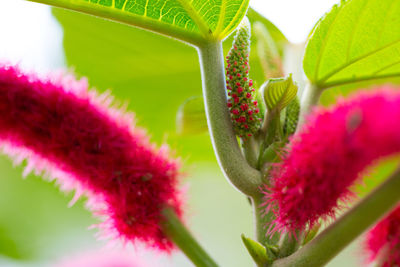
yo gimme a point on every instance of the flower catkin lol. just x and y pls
(75, 136)
(382, 242)
(327, 155)
(241, 101)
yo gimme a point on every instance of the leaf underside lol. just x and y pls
(357, 41)
(188, 20)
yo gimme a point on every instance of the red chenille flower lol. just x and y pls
(382, 243)
(327, 156)
(75, 136)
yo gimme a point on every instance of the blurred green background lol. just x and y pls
(154, 75)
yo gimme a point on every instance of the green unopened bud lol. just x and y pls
(291, 117)
(278, 93)
(268, 54)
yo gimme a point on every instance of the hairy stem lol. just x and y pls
(249, 146)
(177, 232)
(338, 235)
(244, 177)
(261, 221)
(309, 99)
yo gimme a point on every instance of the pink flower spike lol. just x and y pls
(328, 155)
(383, 241)
(74, 135)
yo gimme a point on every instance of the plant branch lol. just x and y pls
(309, 99)
(261, 221)
(348, 227)
(235, 167)
(177, 232)
(129, 18)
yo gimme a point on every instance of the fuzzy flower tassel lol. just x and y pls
(75, 136)
(327, 156)
(382, 243)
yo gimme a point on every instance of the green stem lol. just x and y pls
(177, 232)
(337, 236)
(269, 130)
(244, 177)
(261, 222)
(129, 18)
(309, 99)
(249, 146)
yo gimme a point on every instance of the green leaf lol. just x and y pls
(267, 51)
(278, 93)
(191, 118)
(291, 117)
(357, 41)
(257, 251)
(195, 22)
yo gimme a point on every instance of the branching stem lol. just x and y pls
(230, 158)
(348, 227)
(309, 99)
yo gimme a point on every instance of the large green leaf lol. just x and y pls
(194, 21)
(357, 41)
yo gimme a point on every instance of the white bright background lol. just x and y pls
(31, 37)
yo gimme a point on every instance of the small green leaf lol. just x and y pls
(278, 93)
(311, 234)
(191, 118)
(267, 52)
(190, 21)
(357, 41)
(257, 251)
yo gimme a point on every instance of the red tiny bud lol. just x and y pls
(255, 103)
(246, 126)
(251, 83)
(239, 75)
(229, 94)
(238, 84)
(240, 90)
(234, 69)
(235, 47)
(235, 111)
(251, 118)
(237, 100)
(230, 77)
(234, 95)
(244, 107)
(248, 135)
(242, 119)
(235, 63)
(248, 95)
(256, 110)
(247, 71)
(245, 79)
(229, 105)
(250, 112)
